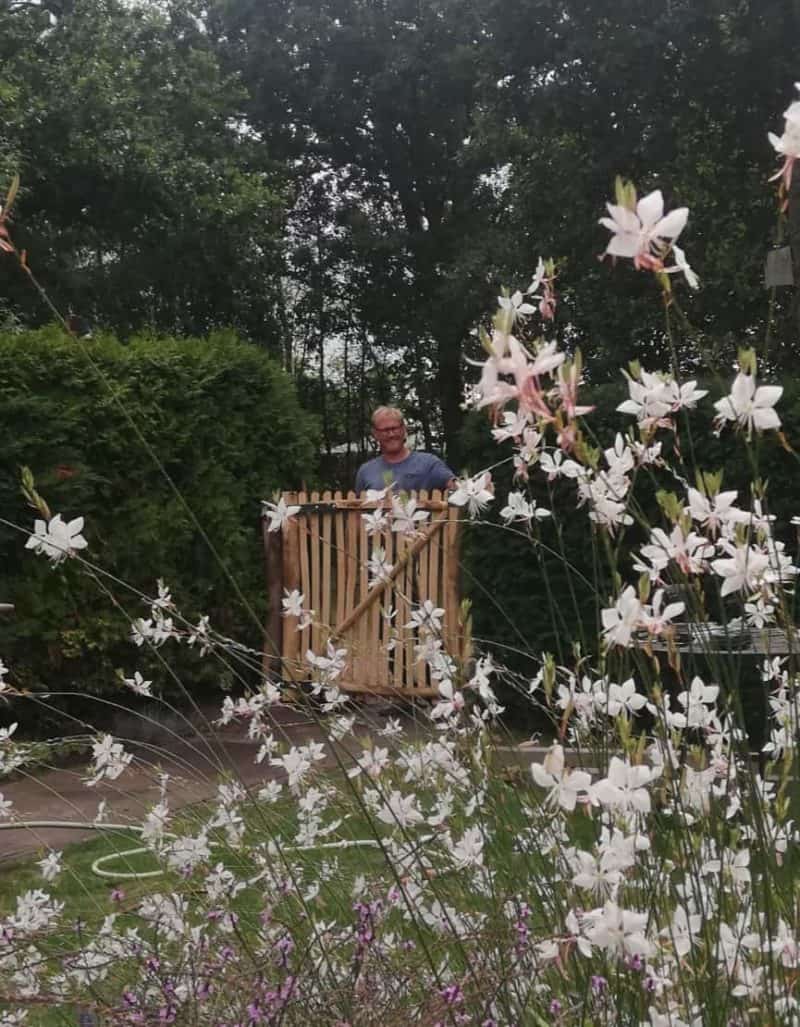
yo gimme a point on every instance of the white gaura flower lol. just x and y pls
(371, 762)
(51, 865)
(682, 267)
(618, 931)
(378, 567)
(138, 684)
(426, 617)
(625, 786)
(748, 406)
(744, 570)
(555, 465)
(712, 512)
(278, 513)
(110, 760)
(292, 603)
(623, 618)
(619, 698)
(405, 515)
(376, 522)
(657, 620)
(515, 306)
(644, 234)
(474, 493)
(400, 811)
(57, 539)
(564, 787)
(788, 144)
(468, 851)
(451, 702)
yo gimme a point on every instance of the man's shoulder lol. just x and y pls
(370, 474)
(424, 459)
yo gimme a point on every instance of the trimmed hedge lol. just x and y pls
(224, 422)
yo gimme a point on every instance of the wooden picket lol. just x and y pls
(323, 552)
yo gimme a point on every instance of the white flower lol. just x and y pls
(788, 144)
(748, 406)
(744, 570)
(426, 617)
(452, 700)
(292, 603)
(563, 786)
(712, 512)
(468, 851)
(624, 786)
(375, 522)
(331, 665)
(406, 516)
(138, 684)
(682, 930)
(618, 931)
(474, 493)
(619, 698)
(36, 910)
(682, 265)
(110, 760)
(644, 232)
(57, 539)
(655, 620)
(554, 465)
(621, 620)
(51, 866)
(378, 567)
(372, 762)
(278, 513)
(515, 306)
(649, 398)
(400, 811)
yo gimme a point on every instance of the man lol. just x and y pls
(408, 471)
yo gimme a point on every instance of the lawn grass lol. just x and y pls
(88, 897)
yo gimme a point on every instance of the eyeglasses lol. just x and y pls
(396, 429)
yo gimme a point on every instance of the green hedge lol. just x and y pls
(225, 423)
(527, 600)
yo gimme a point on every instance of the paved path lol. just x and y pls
(195, 765)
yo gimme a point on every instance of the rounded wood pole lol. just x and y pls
(273, 626)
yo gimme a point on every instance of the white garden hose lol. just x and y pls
(130, 875)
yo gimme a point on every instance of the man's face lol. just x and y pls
(390, 434)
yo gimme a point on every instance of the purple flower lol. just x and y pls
(452, 995)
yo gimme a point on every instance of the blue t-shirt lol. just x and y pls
(418, 471)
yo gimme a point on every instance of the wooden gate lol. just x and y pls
(323, 552)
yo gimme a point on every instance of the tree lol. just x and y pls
(677, 97)
(145, 200)
(392, 98)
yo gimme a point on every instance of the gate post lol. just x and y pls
(273, 626)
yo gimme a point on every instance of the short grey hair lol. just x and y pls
(387, 412)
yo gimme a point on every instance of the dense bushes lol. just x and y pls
(225, 424)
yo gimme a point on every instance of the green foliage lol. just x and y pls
(223, 422)
(144, 201)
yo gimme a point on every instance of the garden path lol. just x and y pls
(195, 766)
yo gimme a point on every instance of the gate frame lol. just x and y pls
(325, 546)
